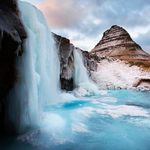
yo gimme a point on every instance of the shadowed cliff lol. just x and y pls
(12, 35)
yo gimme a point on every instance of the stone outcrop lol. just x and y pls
(65, 49)
(12, 35)
(89, 61)
(117, 43)
(142, 83)
(66, 62)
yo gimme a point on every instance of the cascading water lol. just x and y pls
(38, 81)
(119, 119)
(82, 80)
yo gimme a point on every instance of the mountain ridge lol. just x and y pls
(117, 43)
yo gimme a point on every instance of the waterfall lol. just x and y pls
(81, 77)
(38, 69)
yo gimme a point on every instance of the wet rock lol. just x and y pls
(66, 57)
(66, 62)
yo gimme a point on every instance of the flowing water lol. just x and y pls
(114, 120)
(38, 81)
(85, 86)
(117, 120)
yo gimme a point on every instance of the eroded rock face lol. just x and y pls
(66, 62)
(12, 35)
(143, 83)
(117, 43)
(89, 62)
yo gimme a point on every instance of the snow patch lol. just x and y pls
(117, 74)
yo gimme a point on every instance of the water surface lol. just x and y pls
(118, 120)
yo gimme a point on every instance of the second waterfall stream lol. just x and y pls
(85, 86)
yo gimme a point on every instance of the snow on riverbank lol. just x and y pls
(117, 74)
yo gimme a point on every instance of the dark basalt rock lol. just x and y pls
(117, 43)
(11, 4)
(12, 35)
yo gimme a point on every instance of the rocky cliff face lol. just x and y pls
(12, 35)
(90, 61)
(117, 43)
(66, 56)
(66, 62)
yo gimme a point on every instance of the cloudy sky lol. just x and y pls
(84, 21)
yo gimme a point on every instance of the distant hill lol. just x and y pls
(117, 43)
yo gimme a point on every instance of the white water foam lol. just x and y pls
(114, 111)
(38, 67)
(84, 85)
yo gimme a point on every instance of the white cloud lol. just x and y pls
(83, 21)
(62, 14)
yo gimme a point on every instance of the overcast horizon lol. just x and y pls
(84, 21)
